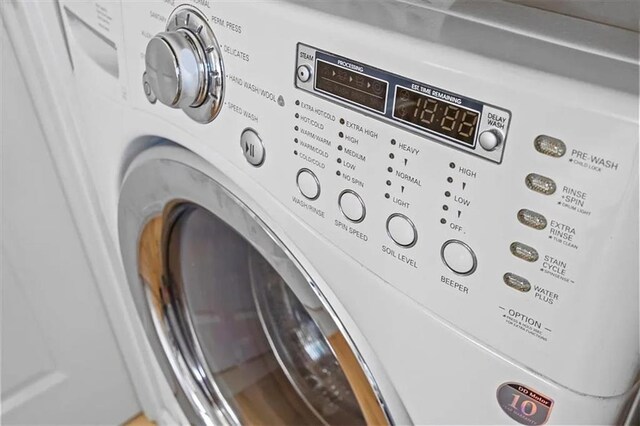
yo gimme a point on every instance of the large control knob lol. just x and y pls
(176, 69)
(184, 66)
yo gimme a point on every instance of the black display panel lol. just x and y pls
(352, 86)
(436, 115)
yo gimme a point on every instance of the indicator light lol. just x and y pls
(541, 184)
(517, 282)
(532, 219)
(524, 252)
(550, 146)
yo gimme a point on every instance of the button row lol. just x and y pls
(350, 203)
(399, 227)
(552, 147)
(456, 255)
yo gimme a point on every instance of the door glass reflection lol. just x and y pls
(265, 353)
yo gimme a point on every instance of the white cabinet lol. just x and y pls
(60, 363)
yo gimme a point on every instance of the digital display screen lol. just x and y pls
(353, 86)
(436, 115)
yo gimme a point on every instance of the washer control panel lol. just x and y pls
(440, 115)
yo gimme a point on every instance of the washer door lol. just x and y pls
(240, 330)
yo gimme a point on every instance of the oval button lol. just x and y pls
(352, 206)
(539, 183)
(517, 282)
(458, 257)
(532, 219)
(550, 146)
(524, 251)
(308, 184)
(401, 230)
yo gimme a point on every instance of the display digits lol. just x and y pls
(451, 114)
(416, 110)
(467, 124)
(436, 115)
(429, 111)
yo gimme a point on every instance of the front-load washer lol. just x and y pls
(359, 212)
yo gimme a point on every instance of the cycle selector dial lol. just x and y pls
(183, 66)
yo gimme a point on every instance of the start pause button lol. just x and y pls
(252, 147)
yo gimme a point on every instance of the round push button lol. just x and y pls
(458, 257)
(252, 147)
(490, 139)
(401, 230)
(352, 206)
(308, 184)
(304, 73)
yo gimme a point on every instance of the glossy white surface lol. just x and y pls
(622, 14)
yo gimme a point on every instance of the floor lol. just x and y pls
(139, 420)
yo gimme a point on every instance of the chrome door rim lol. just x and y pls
(151, 189)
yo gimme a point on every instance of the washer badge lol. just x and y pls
(523, 404)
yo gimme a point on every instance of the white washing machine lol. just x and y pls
(355, 212)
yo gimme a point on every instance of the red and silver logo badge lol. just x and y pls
(523, 404)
